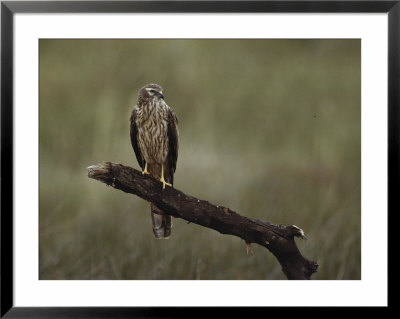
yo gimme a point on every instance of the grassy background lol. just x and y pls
(269, 128)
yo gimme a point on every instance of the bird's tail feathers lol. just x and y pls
(162, 223)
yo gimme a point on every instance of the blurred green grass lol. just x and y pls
(268, 128)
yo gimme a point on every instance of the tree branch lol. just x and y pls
(278, 239)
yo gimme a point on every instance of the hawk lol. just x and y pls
(154, 137)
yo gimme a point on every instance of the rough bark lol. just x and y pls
(278, 239)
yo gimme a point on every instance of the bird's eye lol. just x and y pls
(152, 91)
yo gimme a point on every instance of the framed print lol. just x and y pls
(243, 143)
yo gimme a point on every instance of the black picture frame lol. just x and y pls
(9, 8)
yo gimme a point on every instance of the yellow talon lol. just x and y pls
(162, 180)
(145, 170)
(165, 183)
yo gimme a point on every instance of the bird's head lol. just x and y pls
(151, 91)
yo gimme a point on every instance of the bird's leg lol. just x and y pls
(145, 170)
(162, 180)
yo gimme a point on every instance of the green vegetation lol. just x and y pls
(268, 128)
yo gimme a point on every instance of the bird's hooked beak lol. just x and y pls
(161, 95)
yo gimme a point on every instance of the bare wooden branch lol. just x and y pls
(278, 239)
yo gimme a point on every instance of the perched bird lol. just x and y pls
(154, 137)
